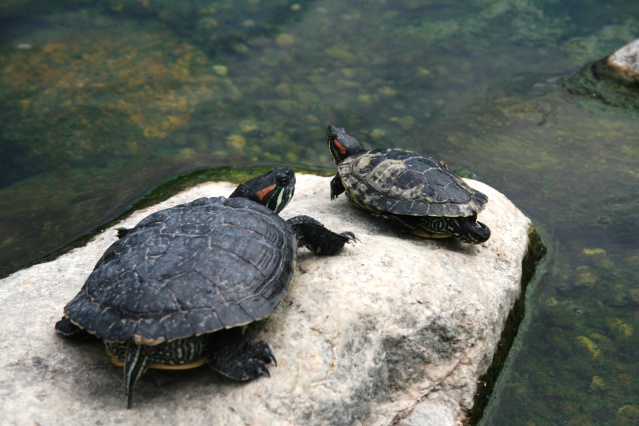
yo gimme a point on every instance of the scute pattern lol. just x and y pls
(193, 269)
(405, 183)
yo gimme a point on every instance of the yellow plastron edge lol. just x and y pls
(195, 364)
(427, 235)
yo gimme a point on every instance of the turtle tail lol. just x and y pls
(136, 363)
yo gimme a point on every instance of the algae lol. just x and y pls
(587, 84)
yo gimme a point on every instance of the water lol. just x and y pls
(101, 104)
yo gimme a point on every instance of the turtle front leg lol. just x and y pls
(337, 187)
(239, 358)
(315, 237)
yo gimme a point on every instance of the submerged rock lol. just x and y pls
(614, 79)
(394, 330)
(622, 66)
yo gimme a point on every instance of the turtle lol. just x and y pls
(177, 290)
(420, 193)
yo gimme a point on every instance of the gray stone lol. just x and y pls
(396, 329)
(622, 66)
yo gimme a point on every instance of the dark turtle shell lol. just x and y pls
(405, 183)
(192, 269)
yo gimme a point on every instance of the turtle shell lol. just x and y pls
(192, 269)
(405, 183)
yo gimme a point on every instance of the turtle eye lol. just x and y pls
(282, 180)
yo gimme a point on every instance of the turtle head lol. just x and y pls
(273, 189)
(341, 145)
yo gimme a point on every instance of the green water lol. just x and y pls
(101, 104)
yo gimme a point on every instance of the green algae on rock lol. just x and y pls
(614, 79)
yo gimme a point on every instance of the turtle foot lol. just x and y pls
(315, 237)
(242, 359)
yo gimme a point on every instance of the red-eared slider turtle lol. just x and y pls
(175, 291)
(418, 192)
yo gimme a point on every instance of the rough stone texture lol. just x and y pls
(394, 330)
(622, 66)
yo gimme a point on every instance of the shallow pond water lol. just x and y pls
(101, 104)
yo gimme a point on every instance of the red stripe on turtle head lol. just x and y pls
(339, 146)
(264, 192)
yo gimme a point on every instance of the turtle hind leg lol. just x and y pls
(472, 231)
(122, 232)
(466, 229)
(315, 237)
(68, 329)
(239, 358)
(136, 362)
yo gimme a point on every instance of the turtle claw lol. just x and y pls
(271, 359)
(259, 354)
(262, 370)
(264, 353)
(351, 238)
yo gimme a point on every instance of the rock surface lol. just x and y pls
(622, 66)
(394, 330)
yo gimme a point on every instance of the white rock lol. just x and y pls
(395, 329)
(623, 65)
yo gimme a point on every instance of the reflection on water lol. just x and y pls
(101, 104)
